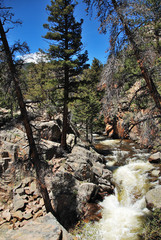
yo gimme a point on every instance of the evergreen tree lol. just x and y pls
(86, 109)
(41, 82)
(65, 50)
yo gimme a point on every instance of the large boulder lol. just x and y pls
(44, 228)
(80, 166)
(49, 130)
(153, 198)
(69, 197)
(88, 165)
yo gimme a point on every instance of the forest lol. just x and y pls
(120, 99)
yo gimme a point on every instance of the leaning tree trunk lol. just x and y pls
(145, 73)
(34, 156)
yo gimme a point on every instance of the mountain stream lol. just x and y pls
(124, 212)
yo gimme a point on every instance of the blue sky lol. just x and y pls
(33, 15)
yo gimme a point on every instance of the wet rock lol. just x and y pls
(155, 173)
(155, 158)
(153, 198)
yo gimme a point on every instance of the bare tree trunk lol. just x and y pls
(145, 73)
(87, 130)
(33, 150)
(65, 110)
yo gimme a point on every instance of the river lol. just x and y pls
(124, 212)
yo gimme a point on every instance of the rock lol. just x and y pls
(104, 188)
(64, 198)
(90, 154)
(43, 228)
(18, 215)
(6, 215)
(20, 191)
(18, 203)
(49, 130)
(26, 181)
(80, 166)
(71, 140)
(49, 148)
(2, 221)
(153, 198)
(1, 207)
(155, 173)
(41, 202)
(5, 154)
(32, 187)
(155, 158)
(87, 192)
(27, 215)
(38, 214)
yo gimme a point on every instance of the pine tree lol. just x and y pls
(87, 107)
(65, 50)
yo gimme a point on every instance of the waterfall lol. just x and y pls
(123, 213)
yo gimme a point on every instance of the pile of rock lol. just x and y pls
(27, 204)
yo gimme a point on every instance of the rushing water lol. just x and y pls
(123, 213)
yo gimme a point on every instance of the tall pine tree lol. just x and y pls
(65, 50)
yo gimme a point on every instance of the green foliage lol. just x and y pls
(40, 81)
(7, 93)
(65, 34)
(87, 106)
(152, 229)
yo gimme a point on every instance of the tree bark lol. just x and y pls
(145, 73)
(66, 89)
(34, 156)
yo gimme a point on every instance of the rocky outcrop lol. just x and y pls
(127, 117)
(88, 165)
(153, 198)
(81, 179)
(74, 182)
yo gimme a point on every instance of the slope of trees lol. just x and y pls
(65, 50)
(125, 19)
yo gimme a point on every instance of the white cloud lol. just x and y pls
(33, 57)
